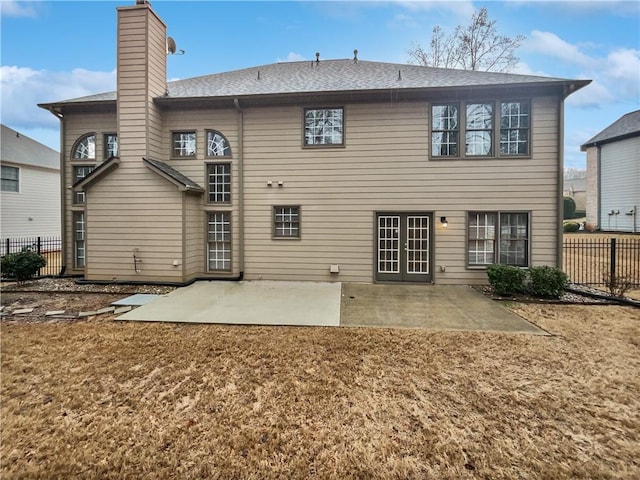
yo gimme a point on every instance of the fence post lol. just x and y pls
(7, 252)
(612, 266)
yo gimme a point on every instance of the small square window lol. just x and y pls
(324, 126)
(286, 222)
(183, 144)
(10, 179)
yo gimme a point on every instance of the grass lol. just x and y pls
(128, 400)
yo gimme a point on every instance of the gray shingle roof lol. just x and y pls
(18, 148)
(626, 126)
(172, 173)
(331, 76)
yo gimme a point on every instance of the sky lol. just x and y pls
(57, 50)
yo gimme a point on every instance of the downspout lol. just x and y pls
(559, 185)
(599, 180)
(240, 157)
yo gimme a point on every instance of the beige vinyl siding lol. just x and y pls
(119, 222)
(593, 192)
(384, 167)
(195, 237)
(75, 126)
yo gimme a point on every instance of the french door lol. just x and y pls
(404, 247)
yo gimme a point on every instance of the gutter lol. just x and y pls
(240, 156)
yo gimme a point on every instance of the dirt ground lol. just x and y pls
(99, 399)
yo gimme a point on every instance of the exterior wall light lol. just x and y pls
(443, 222)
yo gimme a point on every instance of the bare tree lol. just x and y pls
(477, 46)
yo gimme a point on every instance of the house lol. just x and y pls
(30, 187)
(324, 170)
(576, 188)
(613, 176)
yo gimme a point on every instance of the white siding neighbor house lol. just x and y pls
(613, 176)
(325, 170)
(30, 187)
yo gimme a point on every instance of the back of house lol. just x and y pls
(323, 170)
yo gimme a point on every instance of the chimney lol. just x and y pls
(141, 76)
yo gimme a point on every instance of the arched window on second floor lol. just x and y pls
(217, 145)
(85, 148)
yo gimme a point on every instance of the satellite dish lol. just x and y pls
(171, 46)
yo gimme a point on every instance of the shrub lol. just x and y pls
(547, 282)
(569, 208)
(22, 266)
(506, 279)
(571, 226)
(618, 285)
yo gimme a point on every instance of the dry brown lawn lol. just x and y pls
(108, 400)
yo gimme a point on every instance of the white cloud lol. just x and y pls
(23, 88)
(523, 68)
(593, 95)
(291, 57)
(622, 67)
(550, 44)
(462, 8)
(15, 8)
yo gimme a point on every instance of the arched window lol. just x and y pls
(217, 145)
(85, 148)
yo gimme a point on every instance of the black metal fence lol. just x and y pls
(48, 247)
(600, 261)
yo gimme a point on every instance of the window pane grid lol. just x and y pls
(287, 222)
(513, 243)
(479, 129)
(110, 146)
(217, 145)
(514, 128)
(389, 244)
(85, 149)
(323, 126)
(10, 179)
(184, 144)
(79, 239)
(219, 182)
(79, 173)
(444, 130)
(418, 245)
(219, 241)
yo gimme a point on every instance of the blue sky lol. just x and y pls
(55, 50)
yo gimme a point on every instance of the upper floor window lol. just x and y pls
(219, 184)
(476, 123)
(183, 144)
(79, 172)
(85, 148)
(10, 179)
(324, 126)
(444, 130)
(217, 145)
(110, 145)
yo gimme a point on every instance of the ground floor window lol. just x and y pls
(498, 237)
(219, 241)
(79, 240)
(286, 221)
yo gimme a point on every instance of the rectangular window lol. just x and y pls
(110, 145)
(79, 240)
(79, 173)
(219, 181)
(324, 126)
(498, 237)
(183, 144)
(286, 222)
(514, 128)
(10, 179)
(479, 129)
(444, 130)
(219, 241)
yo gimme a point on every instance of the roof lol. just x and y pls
(332, 76)
(626, 126)
(184, 183)
(18, 148)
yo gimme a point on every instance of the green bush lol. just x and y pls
(547, 282)
(22, 266)
(506, 279)
(569, 208)
(571, 226)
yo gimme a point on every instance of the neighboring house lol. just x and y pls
(30, 187)
(322, 170)
(576, 188)
(613, 176)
